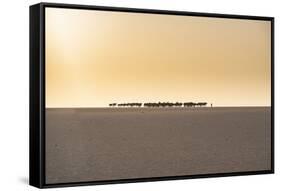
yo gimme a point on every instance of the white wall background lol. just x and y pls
(14, 71)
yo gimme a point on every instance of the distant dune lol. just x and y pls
(121, 143)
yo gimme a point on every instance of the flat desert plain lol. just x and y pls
(94, 144)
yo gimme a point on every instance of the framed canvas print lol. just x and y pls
(126, 95)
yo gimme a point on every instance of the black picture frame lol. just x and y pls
(37, 94)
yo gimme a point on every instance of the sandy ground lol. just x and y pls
(121, 143)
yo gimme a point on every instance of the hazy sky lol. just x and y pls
(94, 58)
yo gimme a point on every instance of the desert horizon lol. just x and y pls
(131, 95)
(162, 104)
(128, 107)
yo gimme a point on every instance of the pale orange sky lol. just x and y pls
(94, 58)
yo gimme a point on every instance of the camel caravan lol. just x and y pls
(160, 104)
